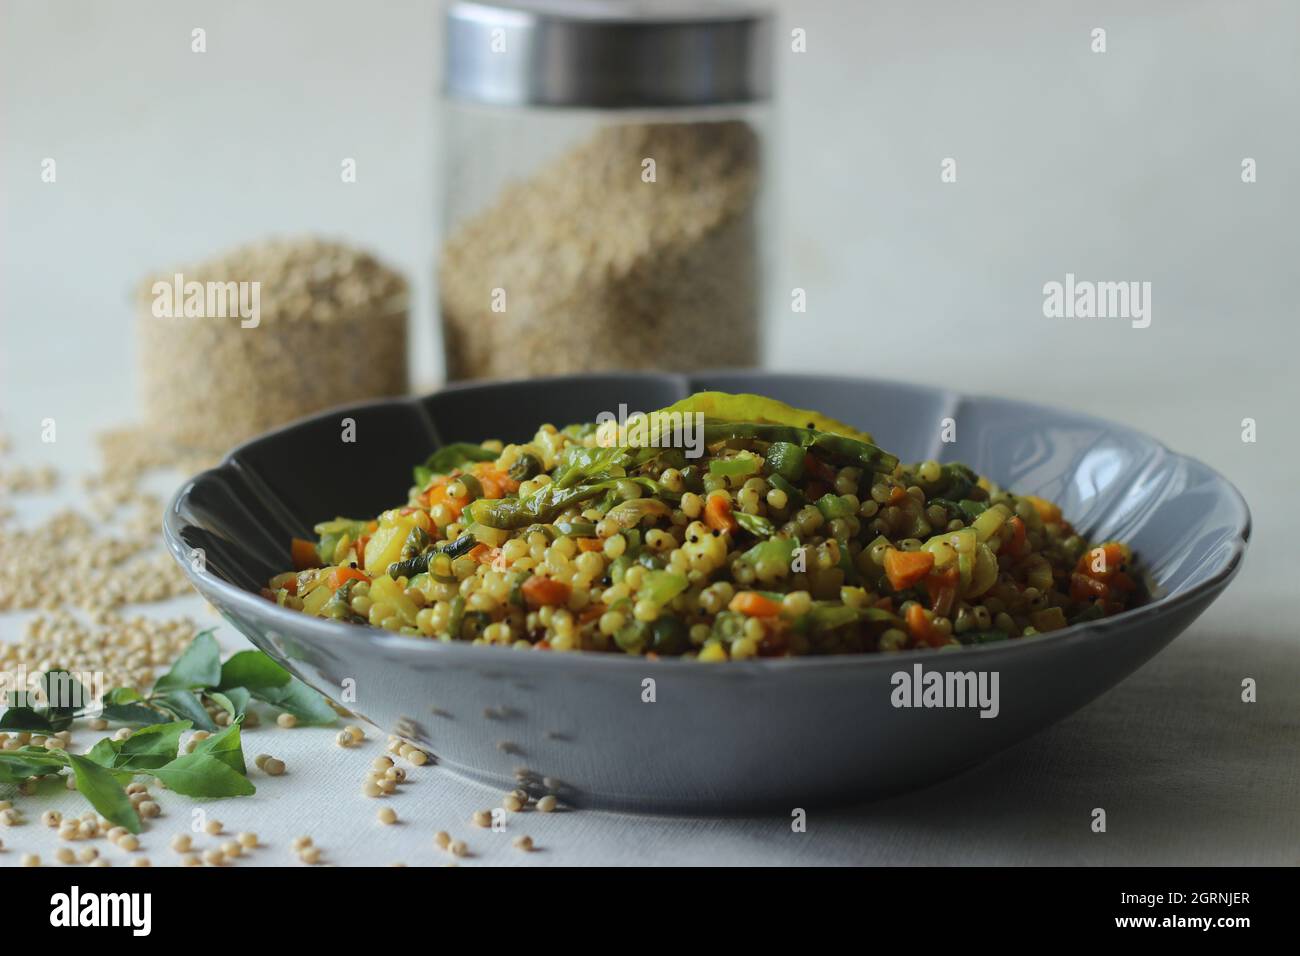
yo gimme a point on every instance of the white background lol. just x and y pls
(1116, 166)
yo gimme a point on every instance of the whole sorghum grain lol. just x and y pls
(102, 565)
(127, 651)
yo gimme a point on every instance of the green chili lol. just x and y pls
(836, 446)
(756, 525)
(786, 459)
(419, 563)
(526, 466)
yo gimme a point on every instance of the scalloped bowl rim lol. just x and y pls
(384, 642)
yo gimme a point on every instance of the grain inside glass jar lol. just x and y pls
(603, 186)
(599, 269)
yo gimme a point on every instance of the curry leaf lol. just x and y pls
(26, 762)
(132, 714)
(25, 718)
(105, 752)
(123, 695)
(300, 700)
(151, 747)
(252, 669)
(64, 696)
(198, 667)
(203, 775)
(233, 700)
(105, 793)
(225, 747)
(186, 705)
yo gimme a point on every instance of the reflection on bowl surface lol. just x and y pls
(674, 735)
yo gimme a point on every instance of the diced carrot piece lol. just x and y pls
(361, 550)
(436, 481)
(918, 623)
(591, 613)
(1085, 588)
(885, 604)
(906, 568)
(937, 581)
(590, 544)
(540, 591)
(897, 495)
(339, 575)
(1112, 558)
(304, 554)
(479, 553)
(753, 604)
(1017, 545)
(439, 496)
(496, 482)
(717, 514)
(1047, 510)
(1122, 581)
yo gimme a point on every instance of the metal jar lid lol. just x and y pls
(606, 54)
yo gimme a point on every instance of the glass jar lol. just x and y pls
(604, 188)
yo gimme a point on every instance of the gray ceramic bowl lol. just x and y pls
(782, 733)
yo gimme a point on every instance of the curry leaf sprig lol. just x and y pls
(215, 766)
(179, 694)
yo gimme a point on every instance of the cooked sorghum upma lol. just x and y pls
(755, 530)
